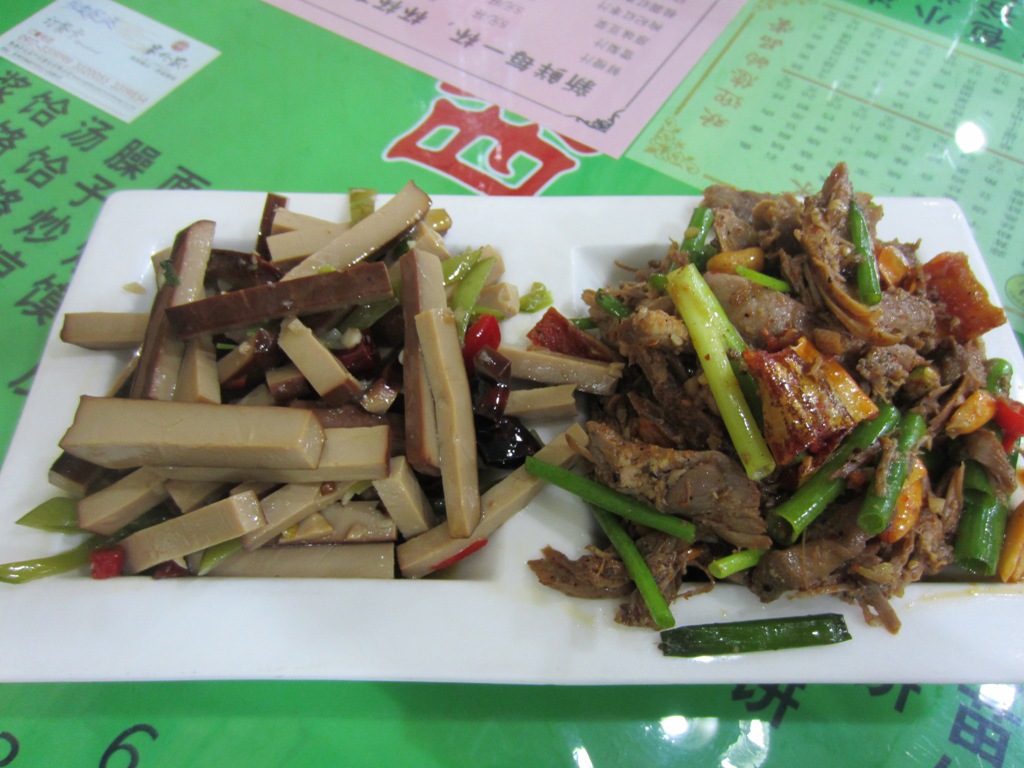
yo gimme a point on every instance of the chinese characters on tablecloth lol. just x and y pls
(593, 71)
(983, 724)
(485, 148)
(54, 144)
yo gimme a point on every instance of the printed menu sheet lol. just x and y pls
(914, 108)
(593, 70)
(107, 55)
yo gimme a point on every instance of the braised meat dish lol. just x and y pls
(823, 356)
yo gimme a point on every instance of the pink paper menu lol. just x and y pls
(593, 70)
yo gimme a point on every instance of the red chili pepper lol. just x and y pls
(362, 360)
(1009, 417)
(485, 332)
(106, 562)
(169, 570)
(462, 553)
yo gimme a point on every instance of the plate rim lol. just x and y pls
(839, 665)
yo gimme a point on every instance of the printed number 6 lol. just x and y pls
(12, 748)
(120, 745)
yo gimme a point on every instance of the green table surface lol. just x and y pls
(290, 107)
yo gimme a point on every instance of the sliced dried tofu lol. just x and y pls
(349, 453)
(403, 498)
(385, 225)
(453, 409)
(290, 505)
(121, 433)
(104, 330)
(180, 536)
(321, 368)
(110, 509)
(437, 548)
(313, 561)
(546, 367)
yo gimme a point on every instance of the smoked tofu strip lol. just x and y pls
(180, 536)
(349, 453)
(248, 354)
(433, 549)
(358, 522)
(198, 380)
(271, 204)
(422, 289)
(74, 476)
(545, 367)
(453, 408)
(324, 372)
(104, 330)
(314, 561)
(287, 220)
(300, 243)
(121, 433)
(501, 297)
(426, 238)
(386, 224)
(498, 268)
(258, 395)
(403, 498)
(543, 403)
(162, 350)
(292, 504)
(286, 383)
(311, 529)
(318, 292)
(110, 509)
(188, 495)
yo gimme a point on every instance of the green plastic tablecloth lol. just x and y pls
(291, 107)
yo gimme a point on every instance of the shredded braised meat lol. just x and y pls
(661, 439)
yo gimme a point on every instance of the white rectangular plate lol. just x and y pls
(489, 620)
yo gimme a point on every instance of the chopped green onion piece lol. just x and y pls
(736, 562)
(170, 276)
(657, 281)
(468, 291)
(868, 282)
(976, 478)
(701, 221)
(755, 635)
(762, 279)
(361, 203)
(365, 315)
(637, 568)
(979, 536)
(453, 269)
(880, 500)
(712, 334)
(734, 343)
(56, 515)
(479, 309)
(218, 553)
(998, 375)
(612, 305)
(535, 299)
(609, 499)
(584, 323)
(788, 520)
(77, 557)
(30, 570)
